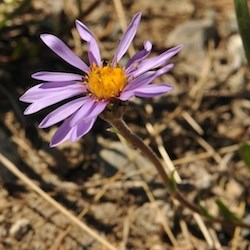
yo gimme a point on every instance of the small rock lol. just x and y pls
(227, 26)
(146, 219)
(114, 153)
(196, 171)
(194, 35)
(233, 189)
(235, 52)
(228, 60)
(149, 222)
(115, 156)
(20, 228)
(107, 213)
(236, 82)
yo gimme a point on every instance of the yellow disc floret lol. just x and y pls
(105, 82)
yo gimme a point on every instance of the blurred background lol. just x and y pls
(113, 189)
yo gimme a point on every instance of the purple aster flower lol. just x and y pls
(98, 85)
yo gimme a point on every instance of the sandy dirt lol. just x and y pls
(113, 189)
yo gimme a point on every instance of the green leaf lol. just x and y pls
(243, 19)
(226, 213)
(205, 212)
(172, 182)
(244, 152)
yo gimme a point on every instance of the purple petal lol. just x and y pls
(57, 86)
(45, 89)
(127, 39)
(56, 76)
(32, 94)
(90, 109)
(62, 113)
(93, 50)
(124, 96)
(83, 111)
(97, 108)
(62, 50)
(81, 129)
(151, 63)
(51, 99)
(67, 132)
(153, 90)
(136, 83)
(143, 79)
(42, 90)
(164, 70)
(139, 56)
(62, 134)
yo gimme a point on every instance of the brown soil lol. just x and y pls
(112, 189)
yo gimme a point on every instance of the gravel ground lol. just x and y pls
(101, 179)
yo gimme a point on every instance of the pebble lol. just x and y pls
(20, 228)
(235, 52)
(194, 35)
(115, 156)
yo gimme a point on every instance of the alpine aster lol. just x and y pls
(99, 84)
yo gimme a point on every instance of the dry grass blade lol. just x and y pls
(237, 231)
(192, 122)
(209, 148)
(205, 155)
(123, 23)
(168, 163)
(216, 241)
(13, 169)
(185, 232)
(126, 227)
(204, 230)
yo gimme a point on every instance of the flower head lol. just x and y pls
(98, 85)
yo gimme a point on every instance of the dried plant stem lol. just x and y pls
(137, 142)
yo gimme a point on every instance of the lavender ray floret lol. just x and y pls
(62, 50)
(153, 90)
(62, 112)
(51, 99)
(56, 76)
(127, 39)
(155, 62)
(93, 50)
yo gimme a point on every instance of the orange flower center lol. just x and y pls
(106, 82)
